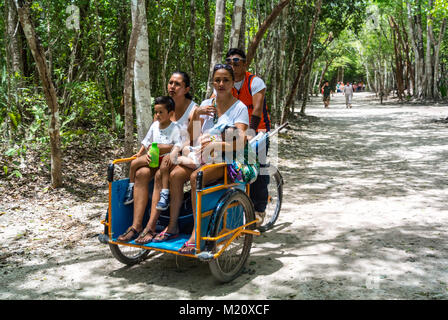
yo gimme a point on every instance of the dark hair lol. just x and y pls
(186, 79)
(224, 66)
(167, 101)
(237, 51)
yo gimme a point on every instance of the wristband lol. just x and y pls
(254, 122)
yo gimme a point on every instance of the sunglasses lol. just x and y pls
(222, 66)
(235, 61)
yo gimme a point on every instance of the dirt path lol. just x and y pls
(365, 216)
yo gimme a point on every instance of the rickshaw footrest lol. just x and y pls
(205, 256)
(103, 238)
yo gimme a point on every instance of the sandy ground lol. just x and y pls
(364, 216)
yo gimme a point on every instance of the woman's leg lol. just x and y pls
(142, 178)
(178, 176)
(135, 165)
(150, 230)
(209, 176)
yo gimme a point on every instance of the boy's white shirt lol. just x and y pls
(169, 135)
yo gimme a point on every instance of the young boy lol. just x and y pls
(191, 157)
(162, 131)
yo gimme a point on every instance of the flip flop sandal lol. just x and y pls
(188, 248)
(130, 229)
(165, 236)
(142, 235)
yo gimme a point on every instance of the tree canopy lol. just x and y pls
(392, 46)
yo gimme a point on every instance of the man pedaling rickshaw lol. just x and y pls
(251, 89)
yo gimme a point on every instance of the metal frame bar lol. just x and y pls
(199, 215)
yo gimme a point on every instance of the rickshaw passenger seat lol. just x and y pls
(214, 183)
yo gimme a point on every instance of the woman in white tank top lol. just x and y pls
(178, 89)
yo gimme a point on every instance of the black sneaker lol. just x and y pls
(129, 196)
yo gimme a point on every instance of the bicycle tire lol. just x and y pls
(127, 254)
(275, 190)
(229, 265)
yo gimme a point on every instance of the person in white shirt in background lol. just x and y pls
(348, 92)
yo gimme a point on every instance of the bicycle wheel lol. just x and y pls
(127, 254)
(275, 191)
(236, 211)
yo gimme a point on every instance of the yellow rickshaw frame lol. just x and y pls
(198, 219)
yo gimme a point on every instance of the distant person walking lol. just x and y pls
(326, 91)
(348, 92)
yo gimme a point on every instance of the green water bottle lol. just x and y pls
(154, 154)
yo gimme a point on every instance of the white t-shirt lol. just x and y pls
(169, 135)
(183, 121)
(237, 113)
(348, 89)
(257, 85)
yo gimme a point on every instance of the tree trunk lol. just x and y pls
(413, 38)
(218, 41)
(121, 42)
(262, 30)
(429, 75)
(369, 85)
(13, 41)
(49, 91)
(410, 78)
(169, 45)
(242, 41)
(14, 61)
(192, 39)
(104, 70)
(398, 58)
(142, 91)
(325, 69)
(235, 32)
(436, 93)
(301, 63)
(208, 30)
(66, 92)
(307, 83)
(421, 55)
(127, 91)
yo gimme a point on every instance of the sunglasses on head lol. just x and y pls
(222, 66)
(234, 60)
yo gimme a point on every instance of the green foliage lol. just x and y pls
(78, 74)
(88, 105)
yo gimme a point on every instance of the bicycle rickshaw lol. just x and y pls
(225, 221)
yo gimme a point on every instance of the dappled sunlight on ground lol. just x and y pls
(371, 182)
(364, 216)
